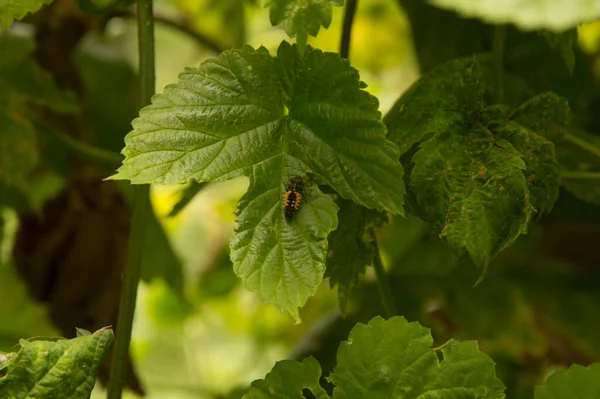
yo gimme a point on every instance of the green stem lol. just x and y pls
(349, 13)
(498, 54)
(580, 175)
(383, 284)
(141, 210)
(96, 154)
(582, 145)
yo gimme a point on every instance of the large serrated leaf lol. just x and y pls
(554, 15)
(577, 382)
(301, 18)
(11, 10)
(59, 369)
(472, 187)
(394, 359)
(389, 359)
(270, 118)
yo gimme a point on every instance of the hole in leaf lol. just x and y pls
(307, 394)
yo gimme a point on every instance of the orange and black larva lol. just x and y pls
(293, 197)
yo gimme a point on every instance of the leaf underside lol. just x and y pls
(302, 17)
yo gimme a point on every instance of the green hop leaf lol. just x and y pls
(587, 190)
(11, 10)
(389, 359)
(472, 187)
(301, 18)
(394, 359)
(270, 118)
(287, 380)
(439, 98)
(577, 382)
(556, 15)
(60, 369)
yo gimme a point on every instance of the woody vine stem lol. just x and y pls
(141, 209)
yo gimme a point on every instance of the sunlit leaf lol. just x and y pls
(271, 118)
(394, 359)
(60, 369)
(554, 15)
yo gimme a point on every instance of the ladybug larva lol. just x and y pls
(293, 197)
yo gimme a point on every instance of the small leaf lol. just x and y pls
(288, 379)
(556, 15)
(301, 18)
(471, 186)
(11, 10)
(62, 369)
(577, 382)
(440, 98)
(270, 118)
(394, 359)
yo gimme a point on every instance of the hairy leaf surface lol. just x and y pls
(577, 382)
(471, 185)
(394, 358)
(61, 369)
(555, 15)
(389, 359)
(546, 114)
(270, 118)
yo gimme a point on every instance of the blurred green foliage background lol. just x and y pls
(199, 334)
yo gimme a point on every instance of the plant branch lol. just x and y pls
(498, 55)
(141, 209)
(349, 13)
(583, 145)
(575, 175)
(181, 25)
(383, 284)
(99, 155)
